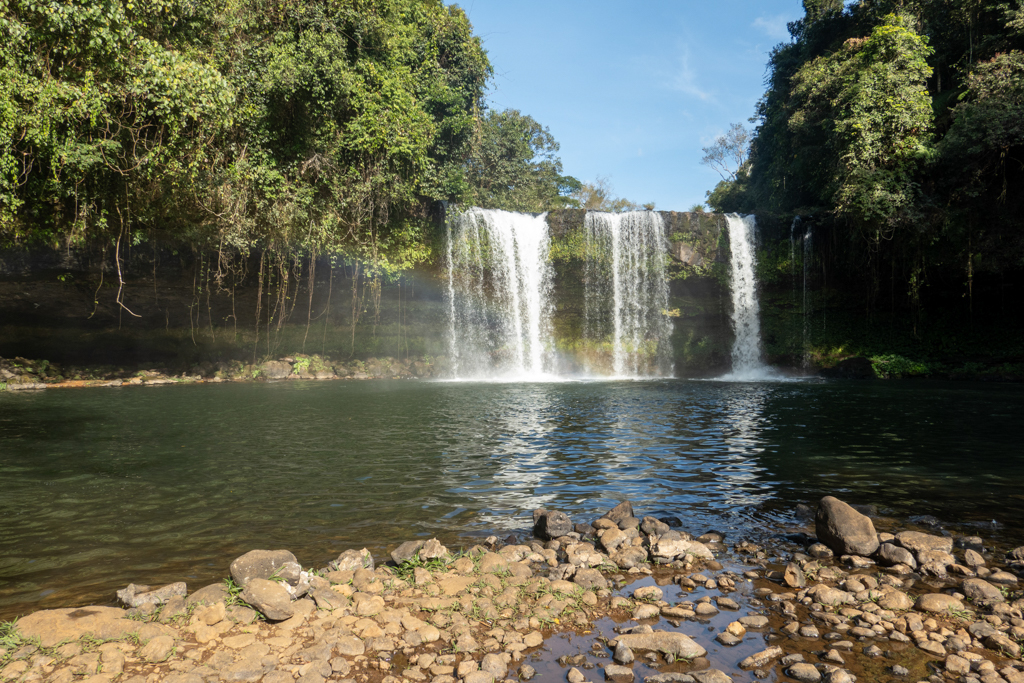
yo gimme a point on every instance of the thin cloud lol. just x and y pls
(685, 80)
(773, 27)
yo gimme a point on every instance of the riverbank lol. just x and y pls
(636, 597)
(20, 374)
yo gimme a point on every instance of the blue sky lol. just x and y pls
(633, 90)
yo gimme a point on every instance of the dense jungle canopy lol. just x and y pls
(325, 126)
(896, 127)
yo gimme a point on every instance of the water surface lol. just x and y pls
(99, 487)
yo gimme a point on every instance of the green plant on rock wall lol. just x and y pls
(894, 366)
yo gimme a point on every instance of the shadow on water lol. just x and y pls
(106, 486)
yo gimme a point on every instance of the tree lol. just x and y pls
(514, 165)
(729, 151)
(599, 196)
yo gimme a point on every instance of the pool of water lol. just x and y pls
(101, 487)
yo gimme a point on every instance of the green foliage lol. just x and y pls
(893, 366)
(514, 166)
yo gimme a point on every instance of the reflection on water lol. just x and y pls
(102, 487)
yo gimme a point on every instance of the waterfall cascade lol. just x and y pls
(499, 285)
(746, 349)
(627, 292)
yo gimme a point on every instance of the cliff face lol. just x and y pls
(178, 308)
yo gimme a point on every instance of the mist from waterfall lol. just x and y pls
(499, 286)
(626, 295)
(746, 349)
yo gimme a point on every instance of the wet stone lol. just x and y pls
(804, 672)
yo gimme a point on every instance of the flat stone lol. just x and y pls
(753, 621)
(932, 648)
(54, 626)
(668, 642)
(492, 563)
(209, 595)
(134, 596)
(710, 676)
(590, 578)
(794, 576)
(937, 603)
(761, 659)
(350, 646)
(618, 672)
(895, 600)
(804, 672)
(668, 549)
(916, 541)
(843, 529)
(1000, 642)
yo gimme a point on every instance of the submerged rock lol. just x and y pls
(679, 645)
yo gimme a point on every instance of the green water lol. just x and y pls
(100, 487)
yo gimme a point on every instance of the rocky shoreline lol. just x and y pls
(620, 598)
(21, 374)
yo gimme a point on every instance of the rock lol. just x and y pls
(622, 654)
(350, 646)
(830, 597)
(158, 649)
(575, 676)
(629, 557)
(654, 527)
(889, 555)
(753, 621)
(667, 642)
(617, 672)
(276, 369)
(973, 558)
(895, 600)
(208, 595)
(646, 612)
(552, 524)
(526, 672)
(433, 550)
(711, 676)
(270, 598)
(406, 551)
(619, 512)
(794, 576)
(857, 367)
(137, 596)
(980, 590)
(629, 523)
(804, 672)
(958, 666)
(937, 603)
(761, 659)
(916, 542)
(900, 670)
(1001, 577)
(264, 564)
(669, 548)
(328, 599)
(612, 539)
(590, 579)
(670, 678)
(843, 529)
(1000, 642)
(53, 626)
(652, 593)
(479, 677)
(351, 560)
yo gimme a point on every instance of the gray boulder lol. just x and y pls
(264, 564)
(843, 529)
(137, 596)
(406, 551)
(551, 524)
(668, 642)
(351, 560)
(619, 512)
(276, 369)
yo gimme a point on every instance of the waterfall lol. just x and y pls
(626, 295)
(746, 349)
(499, 284)
(806, 311)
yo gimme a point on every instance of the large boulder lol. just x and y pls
(550, 524)
(981, 591)
(918, 543)
(843, 529)
(264, 564)
(276, 369)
